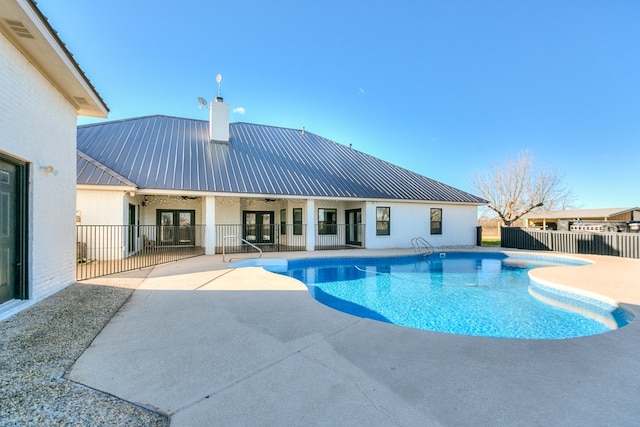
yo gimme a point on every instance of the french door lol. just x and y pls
(353, 219)
(13, 235)
(176, 227)
(258, 226)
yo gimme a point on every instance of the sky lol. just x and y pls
(446, 89)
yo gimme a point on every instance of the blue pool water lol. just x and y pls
(486, 294)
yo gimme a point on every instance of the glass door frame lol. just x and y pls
(172, 234)
(255, 233)
(353, 221)
(133, 230)
(19, 265)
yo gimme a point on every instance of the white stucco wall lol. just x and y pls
(409, 220)
(228, 210)
(38, 126)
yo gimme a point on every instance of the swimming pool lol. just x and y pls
(484, 294)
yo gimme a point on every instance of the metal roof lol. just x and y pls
(170, 153)
(91, 171)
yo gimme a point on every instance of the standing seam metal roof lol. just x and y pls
(90, 171)
(170, 153)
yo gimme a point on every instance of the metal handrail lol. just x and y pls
(241, 239)
(420, 243)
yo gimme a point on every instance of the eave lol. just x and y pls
(29, 31)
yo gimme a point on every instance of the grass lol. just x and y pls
(493, 242)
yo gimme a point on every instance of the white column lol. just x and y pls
(209, 220)
(311, 225)
(369, 217)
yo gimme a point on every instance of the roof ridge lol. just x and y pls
(169, 116)
(130, 119)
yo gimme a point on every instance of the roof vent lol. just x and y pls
(81, 100)
(19, 28)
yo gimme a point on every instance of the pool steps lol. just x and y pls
(274, 265)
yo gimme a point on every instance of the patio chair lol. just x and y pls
(148, 244)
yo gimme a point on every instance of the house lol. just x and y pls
(43, 91)
(213, 183)
(560, 220)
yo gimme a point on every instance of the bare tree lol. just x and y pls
(515, 188)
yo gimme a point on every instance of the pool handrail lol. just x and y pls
(420, 244)
(224, 239)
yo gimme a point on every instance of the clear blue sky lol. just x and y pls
(444, 88)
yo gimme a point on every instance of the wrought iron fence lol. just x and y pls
(109, 249)
(289, 237)
(614, 244)
(340, 236)
(268, 237)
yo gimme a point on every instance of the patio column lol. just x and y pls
(311, 225)
(209, 220)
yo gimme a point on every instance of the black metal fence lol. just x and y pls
(109, 249)
(339, 236)
(289, 237)
(268, 237)
(625, 245)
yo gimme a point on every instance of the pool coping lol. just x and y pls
(279, 265)
(561, 277)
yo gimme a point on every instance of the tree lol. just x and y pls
(516, 187)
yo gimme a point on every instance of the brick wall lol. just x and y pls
(102, 207)
(38, 126)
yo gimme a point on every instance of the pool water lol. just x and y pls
(487, 294)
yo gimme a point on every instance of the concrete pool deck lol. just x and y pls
(209, 345)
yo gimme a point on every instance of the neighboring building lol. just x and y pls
(195, 182)
(43, 91)
(562, 220)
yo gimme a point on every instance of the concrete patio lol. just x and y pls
(208, 345)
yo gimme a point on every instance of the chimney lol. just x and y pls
(219, 121)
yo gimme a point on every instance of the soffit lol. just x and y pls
(25, 26)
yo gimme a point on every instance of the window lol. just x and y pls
(283, 221)
(436, 221)
(327, 221)
(383, 227)
(297, 221)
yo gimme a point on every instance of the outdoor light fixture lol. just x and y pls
(49, 169)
